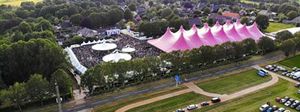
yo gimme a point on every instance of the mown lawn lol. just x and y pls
(16, 2)
(273, 27)
(171, 104)
(232, 83)
(112, 107)
(291, 62)
(251, 102)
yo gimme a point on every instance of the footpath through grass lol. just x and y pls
(291, 62)
(273, 27)
(251, 102)
(171, 104)
(16, 2)
(232, 83)
(112, 107)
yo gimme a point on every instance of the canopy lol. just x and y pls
(209, 36)
(116, 57)
(104, 46)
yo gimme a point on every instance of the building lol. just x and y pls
(85, 32)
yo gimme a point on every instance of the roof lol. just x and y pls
(296, 20)
(264, 12)
(232, 15)
(195, 21)
(210, 36)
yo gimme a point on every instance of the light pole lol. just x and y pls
(58, 99)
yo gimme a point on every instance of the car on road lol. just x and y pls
(192, 107)
(204, 103)
(215, 100)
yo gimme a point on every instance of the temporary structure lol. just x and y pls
(206, 36)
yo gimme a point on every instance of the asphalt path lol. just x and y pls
(106, 100)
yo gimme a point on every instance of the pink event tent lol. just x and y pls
(206, 36)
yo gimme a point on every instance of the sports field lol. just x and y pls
(251, 102)
(291, 62)
(171, 104)
(232, 83)
(16, 2)
(273, 27)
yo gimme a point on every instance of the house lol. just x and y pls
(267, 13)
(293, 21)
(231, 16)
(85, 32)
(195, 21)
(216, 17)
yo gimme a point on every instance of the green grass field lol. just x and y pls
(232, 83)
(171, 104)
(291, 62)
(273, 27)
(111, 107)
(251, 102)
(16, 2)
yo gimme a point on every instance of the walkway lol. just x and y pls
(192, 87)
(137, 104)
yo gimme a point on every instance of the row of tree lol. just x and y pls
(36, 89)
(106, 77)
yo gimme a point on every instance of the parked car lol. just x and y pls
(215, 100)
(192, 107)
(277, 99)
(295, 103)
(297, 85)
(298, 92)
(281, 109)
(264, 107)
(298, 107)
(275, 107)
(288, 103)
(285, 99)
(204, 103)
(180, 110)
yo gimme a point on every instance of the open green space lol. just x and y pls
(273, 27)
(291, 62)
(251, 102)
(171, 104)
(111, 107)
(232, 83)
(16, 2)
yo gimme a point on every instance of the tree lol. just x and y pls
(34, 56)
(284, 35)
(128, 15)
(76, 19)
(288, 46)
(206, 11)
(249, 45)
(25, 27)
(86, 22)
(63, 81)
(44, 25)
(37, 88)
(262, 21)
(132, 7)
(115, 15)
(244, 20)
(16, 94)
(265, 44)
(292, 14)
(164, 13)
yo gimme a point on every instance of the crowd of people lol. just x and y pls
(89, 57)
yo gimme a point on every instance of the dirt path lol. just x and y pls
(198, 90)
(137, 104)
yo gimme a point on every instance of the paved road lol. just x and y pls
(89, 104)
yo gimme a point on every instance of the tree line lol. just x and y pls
(105, 77)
